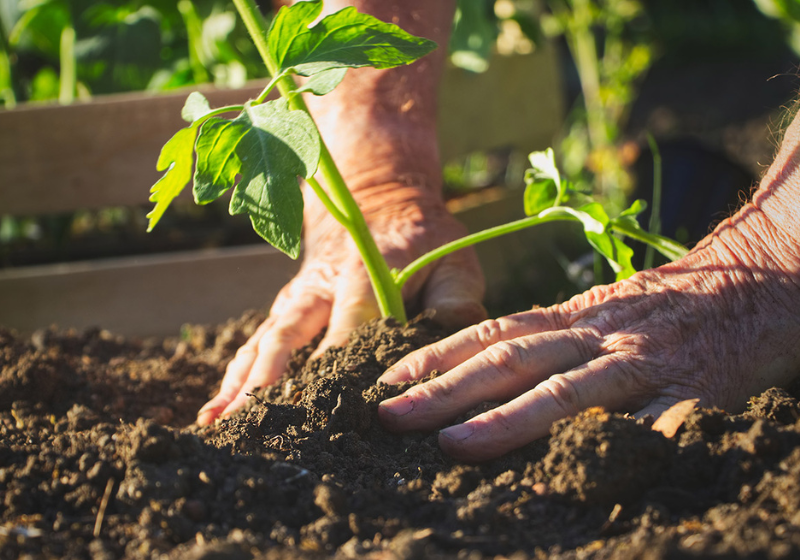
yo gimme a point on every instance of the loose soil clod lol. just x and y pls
(97, 461)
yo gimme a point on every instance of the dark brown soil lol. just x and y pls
(97, 461)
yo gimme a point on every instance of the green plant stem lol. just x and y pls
(68, 73)
(266, 91)
(478, 237)
(194, 32)
(326, 200)
(666, 246)
(6, 83)
(598, 274)
(655, 209)
(582, 42)
(388, 296)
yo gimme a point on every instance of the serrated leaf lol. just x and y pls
(176, 158)
(323, 83)
(345, 39)
(196, 107)
(269, 146)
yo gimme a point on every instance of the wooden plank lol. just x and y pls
(103, 153)
(89, 155)
(154, 295)
(517, 102)
(149, 295)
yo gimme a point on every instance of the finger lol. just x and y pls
(502, 371)
(455, 289)
(293, 328)
(353, 305)
(458, 348)
(235, 375)
(605, 382)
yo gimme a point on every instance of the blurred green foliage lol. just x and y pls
(74, 48)
(788, 11)
(611, 50)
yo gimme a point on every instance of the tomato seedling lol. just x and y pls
(263, 150)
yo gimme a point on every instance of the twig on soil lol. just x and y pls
(101, 513)
(257, 398)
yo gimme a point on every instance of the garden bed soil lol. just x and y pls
(98, 459)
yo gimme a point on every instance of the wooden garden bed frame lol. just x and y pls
(103, 153)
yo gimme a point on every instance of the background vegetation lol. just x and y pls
(611, 51)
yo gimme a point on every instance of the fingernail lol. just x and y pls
(206, 407)
(458, 432)
(398, 406)
(205, 417)
(392, 375)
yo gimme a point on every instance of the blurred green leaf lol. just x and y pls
(40, 27)
(788, 10)
(474, 34)
(45, 85)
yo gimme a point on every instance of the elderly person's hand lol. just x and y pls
(380, 129)
(721, 324)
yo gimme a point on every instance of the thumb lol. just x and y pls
(353, 305)
(455, 291)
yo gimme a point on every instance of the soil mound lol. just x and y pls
(99, 460)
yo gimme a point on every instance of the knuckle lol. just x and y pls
(280, 335)
(243, 354)
(505, 358)
(432, 395)
(587, 342)
(563, 393)
(488, 332)
(500, 422)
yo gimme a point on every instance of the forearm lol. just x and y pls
(380, 125)
(765, 234)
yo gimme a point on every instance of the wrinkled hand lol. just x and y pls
(332, 288)
(722, 324)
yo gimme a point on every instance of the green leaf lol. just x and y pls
(345, 39)
(628, 216)
(176, 158)
(324, 82)
(269, 146)
(539, 195)
(544, 188)
(474, 34)
(627, 224)
(41, 25)
(615, 251)
(635, 209)
(196, 107)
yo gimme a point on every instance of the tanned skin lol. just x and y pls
(380, 127)
(721, 324)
